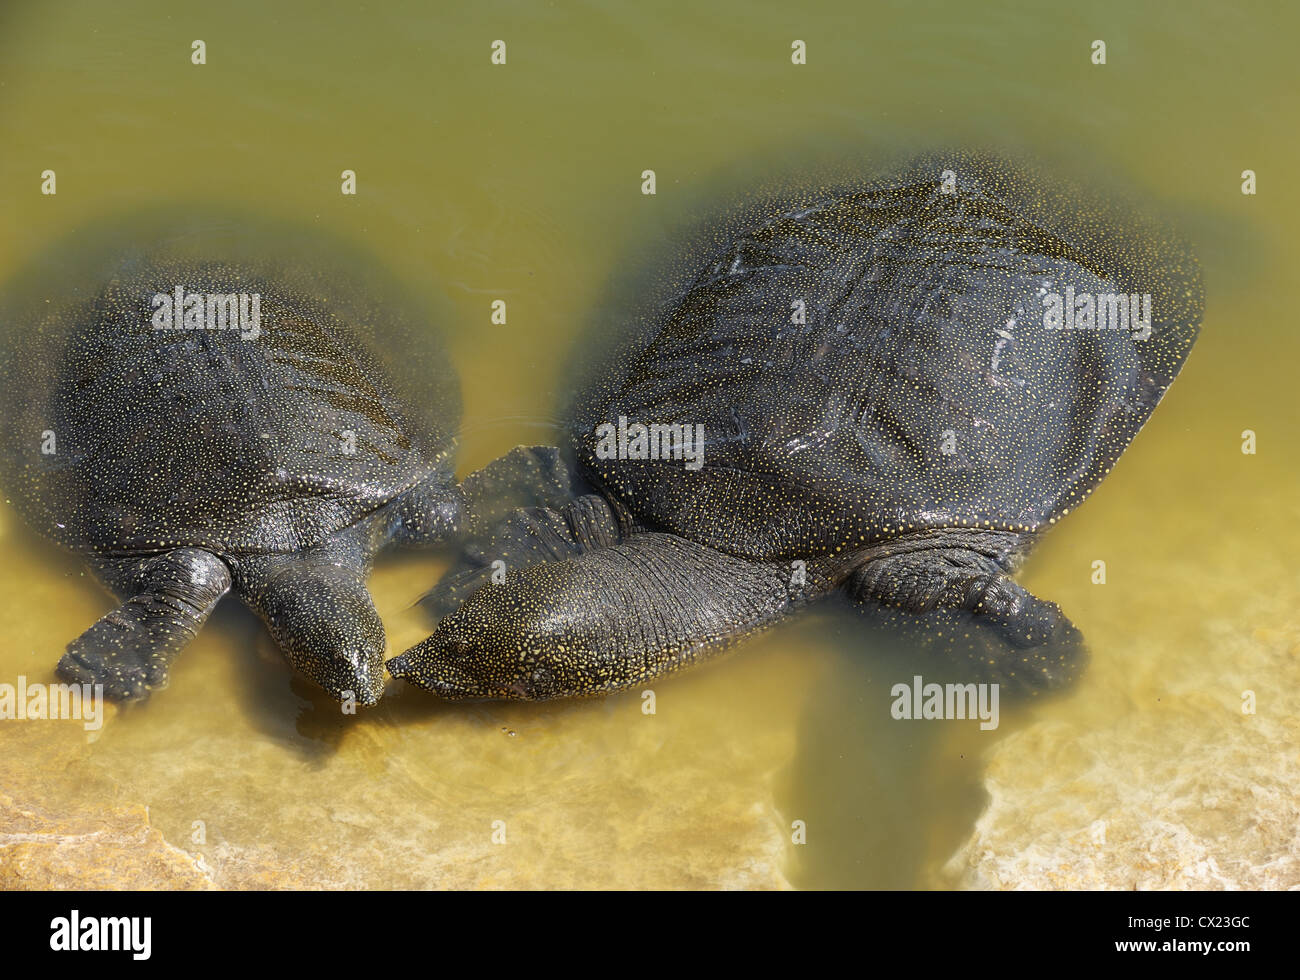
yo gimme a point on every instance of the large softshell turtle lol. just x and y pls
(898, 389)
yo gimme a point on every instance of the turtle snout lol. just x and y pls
(438, 666)
(348, 667)
(328, 628)
(367, 681)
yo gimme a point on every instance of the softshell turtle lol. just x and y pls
(897, 391)
(230, 406)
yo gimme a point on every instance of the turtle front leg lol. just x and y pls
(599, 622)
(962, 602)
(527, 476)
(130, 650)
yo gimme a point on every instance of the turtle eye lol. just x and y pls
(540, 684)
(459, 649)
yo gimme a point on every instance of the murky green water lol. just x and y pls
(522, 182)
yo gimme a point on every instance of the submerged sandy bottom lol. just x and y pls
(1147, 775)
(1151, 775)
(239, 776)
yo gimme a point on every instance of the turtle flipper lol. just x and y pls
(321, 615)
(523, 538)
(601, 621)
(960, 605)
(130, 650)
(527, 476)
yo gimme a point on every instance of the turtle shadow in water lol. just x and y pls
(275, 700)
(884, 801)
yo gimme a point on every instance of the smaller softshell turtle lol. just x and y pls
(225, 406)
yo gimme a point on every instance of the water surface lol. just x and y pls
(522, 182)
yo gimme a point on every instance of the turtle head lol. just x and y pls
(595, 623)
(538, 635)
(326, 625)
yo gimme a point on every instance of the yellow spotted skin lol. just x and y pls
(886, 410)
(205, 438)
(561, 629)
(923, 329)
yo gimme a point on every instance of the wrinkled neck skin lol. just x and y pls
(606, 620)
(615, 617)
(317, 609)
(988, 548)
(427, 513)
